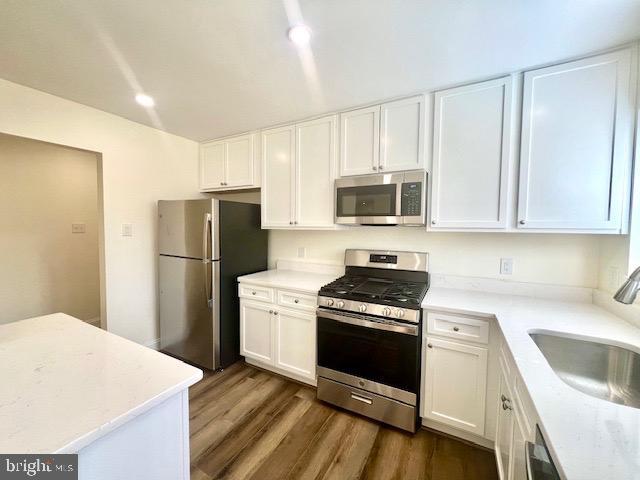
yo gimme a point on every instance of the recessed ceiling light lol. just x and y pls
(145, 100)
(300, 34)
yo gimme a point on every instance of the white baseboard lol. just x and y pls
(153, 344)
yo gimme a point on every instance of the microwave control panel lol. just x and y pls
(411, 199)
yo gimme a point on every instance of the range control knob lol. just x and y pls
(340, 304)
(362, 307)
(386, 311)
(330, 302)
(399, 313)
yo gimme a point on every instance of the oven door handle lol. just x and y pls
(361, 322)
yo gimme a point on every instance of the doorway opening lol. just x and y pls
(51, 231)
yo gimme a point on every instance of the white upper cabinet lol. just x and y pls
(360, 141)
(278, 182)
(299, 165)
(212, 156)
(315, 173)
(229, 164)
(575, 155)
(402, 135)
(471, 156)
(383, 138)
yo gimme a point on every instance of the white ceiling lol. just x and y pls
(217, 67)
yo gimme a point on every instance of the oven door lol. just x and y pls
(367, 352)
(372, 200)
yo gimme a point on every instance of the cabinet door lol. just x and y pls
(212, 159)
(359, 141)
(239, 171)
(471, 156)
(504, 429)
(455, 384)
(402, 135)
(256, 328)
(278, 177)
(576, 144)
(518, 451)
(296, 342)
(315, 173)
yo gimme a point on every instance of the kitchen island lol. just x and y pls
(69, 387)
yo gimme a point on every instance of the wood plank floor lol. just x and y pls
(249, 424)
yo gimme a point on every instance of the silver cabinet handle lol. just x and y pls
(275, 313)
(253, 293)
(271, 312)
(381, 167)
(456, 329)
(296, 301)
(291, 223)
(429, 345)
(374, 168)
(362, 399)
(506, 403)
(221, 183)
(433, 222)
(522, 222)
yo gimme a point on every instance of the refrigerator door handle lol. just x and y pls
(206, 235)
(206, 262)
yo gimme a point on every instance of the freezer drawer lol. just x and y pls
(188, 228)
(188, 310)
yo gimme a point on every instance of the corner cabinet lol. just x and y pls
(472, 156)
(515, 424)
(455, 371)
(576, 144)
(229, 164)
(278, 330)
(299, 165)
(383, 138)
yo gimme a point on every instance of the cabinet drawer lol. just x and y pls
(254, 292)
(300, 301)
(457, 326)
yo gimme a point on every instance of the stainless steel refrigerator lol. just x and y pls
(204, 246)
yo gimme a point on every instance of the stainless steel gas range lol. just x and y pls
(369, 336)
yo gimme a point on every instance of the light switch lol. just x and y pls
(302, 252)
(127, 230)
(506, 266)
(78, 228)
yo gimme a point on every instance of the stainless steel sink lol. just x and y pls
(597, 369)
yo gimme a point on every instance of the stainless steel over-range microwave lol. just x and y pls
(383, 199)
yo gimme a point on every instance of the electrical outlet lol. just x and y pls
(78, 228)
(506, 266)
(302, 252)
(127, 230)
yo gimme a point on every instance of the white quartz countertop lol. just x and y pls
(290, 279)
(589, 438)
(66, 383)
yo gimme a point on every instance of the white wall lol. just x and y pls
(46, 268)
(140, 165)
(538, 258)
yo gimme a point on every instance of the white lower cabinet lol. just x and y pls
(504, 429)
(511, 429)
(256, 330)
(296, 334)
(455, 384)
(281, 339)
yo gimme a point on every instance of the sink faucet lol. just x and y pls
(629, 289)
